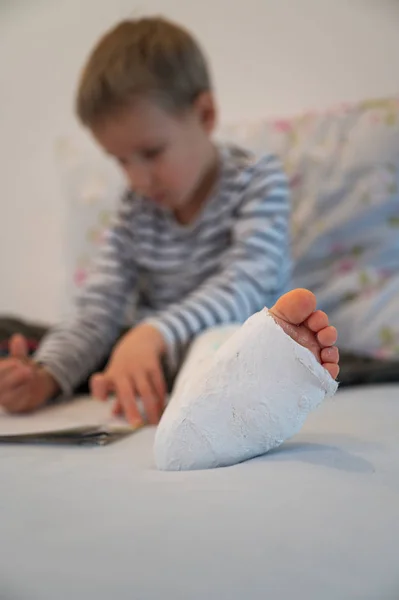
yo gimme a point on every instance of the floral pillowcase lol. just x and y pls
(343, 167)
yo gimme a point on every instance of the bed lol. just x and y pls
(316, 519)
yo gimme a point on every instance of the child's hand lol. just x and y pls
(135, 371)
(24, 385)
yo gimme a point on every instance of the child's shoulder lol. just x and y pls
(246, 165)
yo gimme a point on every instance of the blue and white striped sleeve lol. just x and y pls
(255, 269)
(72, 350)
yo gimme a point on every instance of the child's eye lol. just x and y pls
(152, 153)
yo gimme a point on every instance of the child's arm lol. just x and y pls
(255, 269)
(72, 350)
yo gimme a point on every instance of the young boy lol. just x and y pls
(201, 236)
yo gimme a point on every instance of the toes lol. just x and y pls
(295, 306)
(327, 336)
(330, 355)
(317, 321)
(332, 368)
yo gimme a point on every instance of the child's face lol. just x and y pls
(164, 155)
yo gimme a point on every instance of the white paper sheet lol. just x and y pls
(82, 411)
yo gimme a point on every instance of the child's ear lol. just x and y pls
(205, 107)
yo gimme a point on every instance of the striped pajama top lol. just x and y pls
(229, 263)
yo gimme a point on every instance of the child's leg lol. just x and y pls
(201, 350)
(254, 392)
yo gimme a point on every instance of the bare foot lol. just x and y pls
(296, 313)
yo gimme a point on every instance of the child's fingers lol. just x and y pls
(19, 375)
(148, 395)
(18, 346)
(100, 386)
(126, 397)
(117, 408)
(17, 399)
(7, 365)
(158, 382)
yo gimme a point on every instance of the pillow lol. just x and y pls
(91, 187)
(344, 172)
(343, 167)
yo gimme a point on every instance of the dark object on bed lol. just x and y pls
(78, 436)
(9, 326)
(363, 370)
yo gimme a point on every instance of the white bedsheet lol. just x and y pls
(317, 519)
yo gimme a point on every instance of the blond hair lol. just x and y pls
(146, 57)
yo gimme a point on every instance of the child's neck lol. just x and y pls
(186, 214)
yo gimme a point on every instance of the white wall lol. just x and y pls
(269, 57)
